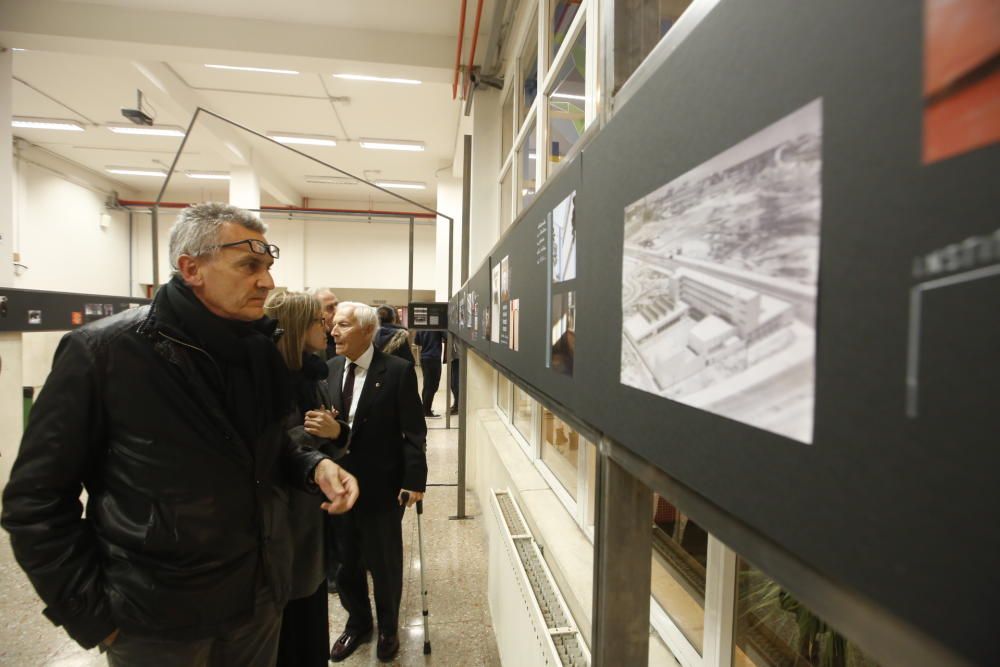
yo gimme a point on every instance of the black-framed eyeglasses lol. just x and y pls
(257, 247)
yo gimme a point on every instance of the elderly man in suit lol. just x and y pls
(377, 394)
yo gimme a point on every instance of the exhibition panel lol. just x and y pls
(773, 287)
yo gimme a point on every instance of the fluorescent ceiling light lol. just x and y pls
(401, 185)
(136, 171)
(17, 49)
(208, 175)
(266, 70)
(568, 96)
(331, 180)
(392, 145)
(46, 124)
(302, 139)
(151, 130)
(531, 156)
(383, 79)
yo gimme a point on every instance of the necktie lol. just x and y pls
(347, 395)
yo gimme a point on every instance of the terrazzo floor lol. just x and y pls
(455, 572)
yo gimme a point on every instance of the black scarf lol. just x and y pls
(248, 373)
(304, 382)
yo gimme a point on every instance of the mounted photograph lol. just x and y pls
(719, 281)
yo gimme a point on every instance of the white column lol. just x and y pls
(6, 171)
(244, 187)
(449, 202)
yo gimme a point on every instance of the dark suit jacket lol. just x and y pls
(385, 450)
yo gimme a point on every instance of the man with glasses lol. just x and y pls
(171, 417)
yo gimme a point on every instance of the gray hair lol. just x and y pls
(365, 315)
(316, 291)
(198, 227)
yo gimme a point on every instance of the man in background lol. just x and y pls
(377, 394)
(328, 301)
(431, 347)
(391, 337)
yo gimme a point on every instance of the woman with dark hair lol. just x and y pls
(305, 638)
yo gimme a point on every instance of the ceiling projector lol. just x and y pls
(137, 115)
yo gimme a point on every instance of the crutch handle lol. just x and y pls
(420, 507)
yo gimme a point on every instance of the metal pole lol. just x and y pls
(409, 288)
(159, 198)
(450, 349)
(463, 356)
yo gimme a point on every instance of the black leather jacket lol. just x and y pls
(184, 518)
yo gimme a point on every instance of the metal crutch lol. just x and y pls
(423, 586)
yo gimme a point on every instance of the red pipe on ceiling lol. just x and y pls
(458, 51)
(290, 209)
(472, 51)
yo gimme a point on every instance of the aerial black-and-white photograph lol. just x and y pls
(719, 281)
(564, 240)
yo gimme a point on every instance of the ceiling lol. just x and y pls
(85, 61)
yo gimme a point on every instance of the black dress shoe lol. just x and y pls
(388, 647)
(348, 642)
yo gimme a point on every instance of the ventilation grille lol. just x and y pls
(566, 646)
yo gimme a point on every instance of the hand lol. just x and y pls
(322, 423)
(339, 486)
(110, 639)
(414, 496)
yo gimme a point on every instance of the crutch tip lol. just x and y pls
(427, 648)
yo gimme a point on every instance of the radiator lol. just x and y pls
(532, 623)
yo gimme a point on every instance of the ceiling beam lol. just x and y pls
(168, 92)
(127, 32)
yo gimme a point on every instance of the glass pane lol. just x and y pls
(566, 103)
(522, 413)
(503, 394)
(527, 157)
(774, 629)
(560, 450)
(505, 216)
(591, 483)
(561, 18)
(680, 554)
(639, 26)
(507, 125)
(529, 74)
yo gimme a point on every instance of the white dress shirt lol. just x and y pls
(360, 373)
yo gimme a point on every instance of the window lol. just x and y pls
(567, 101)
(528, 71)
(507, 124)
(505, 201)
(527, 156)
(639, 26)
(773, 628)
(680, 560)
(561, 451)
(523, 414)
(561, 14)
(503, 394)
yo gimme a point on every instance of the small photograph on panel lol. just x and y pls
(961, 76)
(109, 309)
(34, 317)
(564, 240)
(563, 332)
(515, 323)
(719, 280)
(495, 303)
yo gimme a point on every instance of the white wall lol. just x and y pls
(7, 177)
(58, 232)
(11, 404)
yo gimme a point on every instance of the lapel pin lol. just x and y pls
(378, 384)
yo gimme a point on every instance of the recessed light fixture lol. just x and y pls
(46, 124)
(392, 145)
(402, 185)
(265, 70)
(151, 130)
(302, 139)
(568, 96)
(14, 48)
(208, 175)
(136, 171)
(382, 79)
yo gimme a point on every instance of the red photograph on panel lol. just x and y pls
(961, 76)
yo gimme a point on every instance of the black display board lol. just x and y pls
(428, 315)
(39, 310)
(895, 497)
